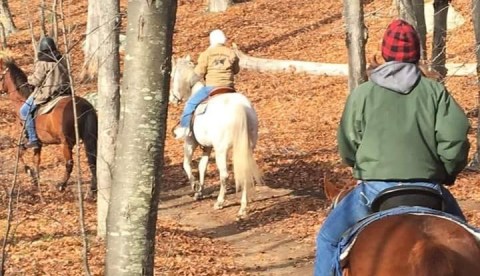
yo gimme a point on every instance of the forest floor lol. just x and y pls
(296, 151)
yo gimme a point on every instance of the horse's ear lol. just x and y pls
(188, 58)
(173, 61)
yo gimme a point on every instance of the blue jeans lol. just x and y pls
(192, 103)
(354, 207)
(26, 114)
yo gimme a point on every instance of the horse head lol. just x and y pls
(13, 80)
(181, 79)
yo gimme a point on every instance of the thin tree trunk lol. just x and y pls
(54, 29)
(90, 64)
(108, 106)
(439, 48)
(355, 40)
(475, 164)
(6, 18)
(43, 29)
(83, 231)
(138, 168)
(219, 5)
(413, 11)
(3, 37)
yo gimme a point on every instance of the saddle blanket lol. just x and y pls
(350, 236)
(47, 107)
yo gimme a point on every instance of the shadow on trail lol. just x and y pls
(294, 186)
(299, 31)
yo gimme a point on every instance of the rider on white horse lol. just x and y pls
(218, 65)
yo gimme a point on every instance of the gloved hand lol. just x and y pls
(449, 180)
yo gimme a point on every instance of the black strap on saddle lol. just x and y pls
(408, 195)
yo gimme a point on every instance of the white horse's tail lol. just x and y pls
(245, 168)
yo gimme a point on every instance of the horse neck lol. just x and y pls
(14, 95)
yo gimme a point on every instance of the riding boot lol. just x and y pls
(32, 144)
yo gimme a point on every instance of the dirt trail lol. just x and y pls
(257, 252)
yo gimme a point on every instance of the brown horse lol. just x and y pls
(410, 245)
(56, 126)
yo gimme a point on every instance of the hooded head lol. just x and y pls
(401, 43)
(217, 37)
(47, 50)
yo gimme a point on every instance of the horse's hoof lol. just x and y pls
(61, 187)
(218, 206)
(197, 196)
(242, 216)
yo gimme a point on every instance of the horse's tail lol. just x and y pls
(431, 258)
(89, 134)
(245, 168)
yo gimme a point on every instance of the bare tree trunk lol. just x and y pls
(108, 106)
(6, 18)
(475, 164)
(3, 37)
(54, 29)
(90, 64)
(355, 40)
(43, 29)
(439, 48)
(319, 68)
(219, 5)
(138, 168)
(289, 66)
(413, 11)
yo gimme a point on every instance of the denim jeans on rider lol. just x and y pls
(192, 103)
(354, 207)
(26, 114)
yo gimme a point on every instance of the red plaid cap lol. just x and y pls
(401, 42)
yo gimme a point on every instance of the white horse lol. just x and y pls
(229, 121)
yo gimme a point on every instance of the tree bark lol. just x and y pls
(413, 11)
(355, 40)
(140, 142)
(108, 106)
(92, 42)
(6, 18)
(475, 164)
(219, 5)
(439, 48)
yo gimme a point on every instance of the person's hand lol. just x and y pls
(449, 180)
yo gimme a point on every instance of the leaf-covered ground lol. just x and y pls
(296, 151)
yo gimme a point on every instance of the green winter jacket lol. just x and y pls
(401, 126)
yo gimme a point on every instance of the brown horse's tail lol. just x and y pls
(430, 258)
(89, 134)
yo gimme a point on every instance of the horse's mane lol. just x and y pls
(426, 72)
(18, 76)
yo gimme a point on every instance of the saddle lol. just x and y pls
(48, 106)
(202, 107)
(408, 195)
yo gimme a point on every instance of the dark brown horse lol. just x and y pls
(56, 126)
(410, 245)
